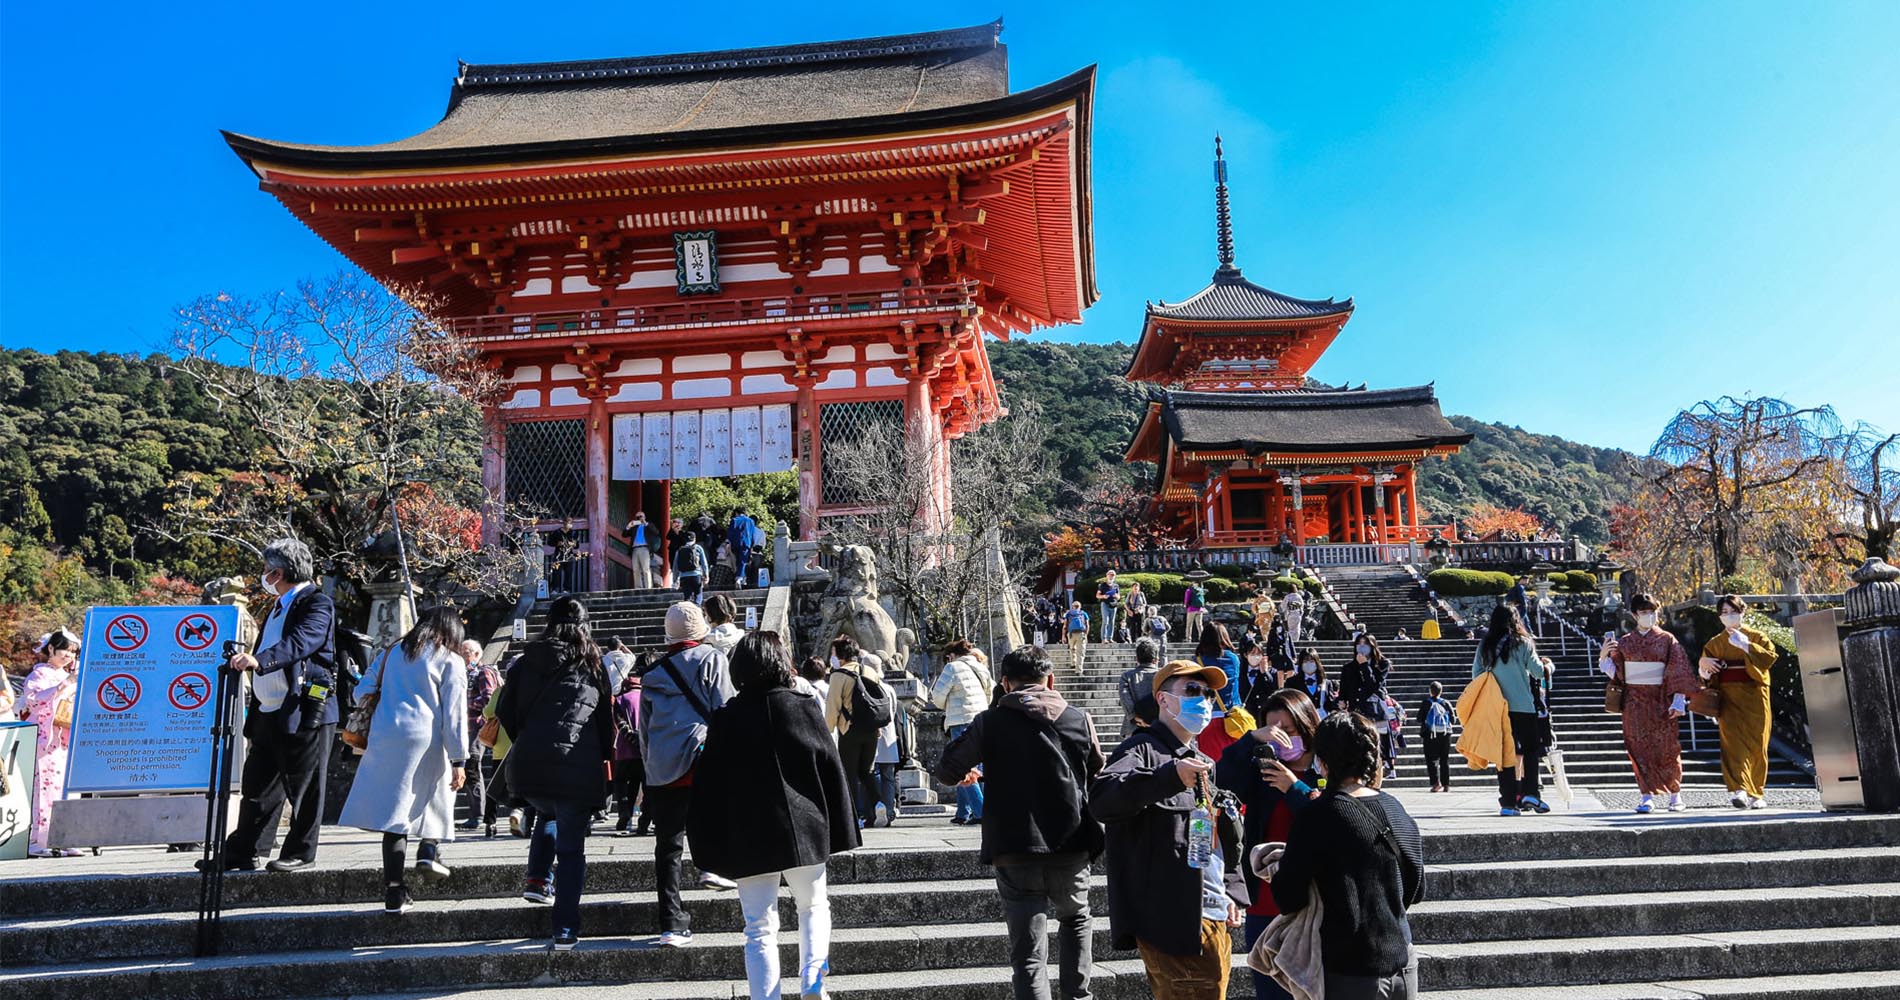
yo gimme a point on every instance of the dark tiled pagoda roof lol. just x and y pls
(1232, 297)
(595, 106)
(1302, 421)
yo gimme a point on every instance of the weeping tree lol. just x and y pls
(1866, 474)
(936, 553)
(367, 411)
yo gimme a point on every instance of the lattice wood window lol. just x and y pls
(547, 467)
(845, 423)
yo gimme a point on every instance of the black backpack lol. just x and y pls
(871, 708)
(687, 559)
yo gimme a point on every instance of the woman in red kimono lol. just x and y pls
(1657, 681)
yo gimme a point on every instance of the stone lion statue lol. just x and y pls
(849, 607)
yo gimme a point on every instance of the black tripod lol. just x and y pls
(217, 806)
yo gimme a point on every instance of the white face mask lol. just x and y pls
(1732, 620)
(1645, 620)
(1310, 667)
(1365, 650)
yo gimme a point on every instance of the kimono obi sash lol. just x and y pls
(1647, 672)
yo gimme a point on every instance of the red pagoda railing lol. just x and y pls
(714, 312)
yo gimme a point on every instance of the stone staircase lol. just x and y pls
(1704, 905)
(1383, 599)
(638, 616)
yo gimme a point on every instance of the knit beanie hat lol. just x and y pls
(685, 623)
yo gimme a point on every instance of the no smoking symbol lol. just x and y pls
(119, 693)
(189, 691)
(126, 633)
(196, 631)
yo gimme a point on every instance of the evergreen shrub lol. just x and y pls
(1469, 582)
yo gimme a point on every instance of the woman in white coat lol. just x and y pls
(963, 692)
(418, 741)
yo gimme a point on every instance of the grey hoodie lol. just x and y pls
(671, 729)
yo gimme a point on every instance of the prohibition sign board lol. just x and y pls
(189, 692)
(196, 631)
(127, 633)
(119, 693)
(146, 698)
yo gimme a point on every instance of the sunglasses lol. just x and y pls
(1195, 690)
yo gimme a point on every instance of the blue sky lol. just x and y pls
(1576, 218)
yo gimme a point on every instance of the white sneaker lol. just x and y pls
(1738, 799)
(676, 939)
(708, 880)
(1676, 804)
(1757, 802)
(1645, 804)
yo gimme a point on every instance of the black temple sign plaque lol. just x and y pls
(696, 262)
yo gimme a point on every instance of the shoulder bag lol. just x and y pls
(1613, 693)
(355, 734)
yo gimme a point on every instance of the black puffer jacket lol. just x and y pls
(561, 725)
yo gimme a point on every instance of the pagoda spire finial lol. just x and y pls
(1223, 220)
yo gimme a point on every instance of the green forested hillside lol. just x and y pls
(1570, 487)
(1091, 414)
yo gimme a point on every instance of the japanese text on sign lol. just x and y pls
(142, 721)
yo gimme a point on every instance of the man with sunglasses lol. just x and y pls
(1154, 787)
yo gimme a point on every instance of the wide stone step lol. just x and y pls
(717, 955)
(1632, 959)
(1867, 985)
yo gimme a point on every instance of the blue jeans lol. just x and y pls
(567, 844)
(1264, 988)
(969, 797)
(1108, 621)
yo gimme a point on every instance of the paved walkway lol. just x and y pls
(1470, 808)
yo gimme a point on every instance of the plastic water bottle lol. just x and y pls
(1200, 838)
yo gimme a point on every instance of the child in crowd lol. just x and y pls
(1437, 718)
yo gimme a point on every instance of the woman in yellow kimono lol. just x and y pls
(1738, 661)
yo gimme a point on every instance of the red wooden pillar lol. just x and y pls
(664, 524)
(924, 431)
(807, 458)
(1411, 494)
(599, 426)
(494, 474)
(1225, 521)
(1379, 503)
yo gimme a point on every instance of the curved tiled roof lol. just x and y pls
(1232, 297)
(503, 111)
(1304, 421)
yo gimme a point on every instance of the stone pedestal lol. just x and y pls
(1870, 653)
(392, 611)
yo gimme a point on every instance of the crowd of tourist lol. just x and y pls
(1244, 797)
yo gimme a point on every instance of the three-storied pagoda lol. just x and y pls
(721, 263)
(1249, 451)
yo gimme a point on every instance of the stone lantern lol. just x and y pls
(1606, 570)
(1440, 550)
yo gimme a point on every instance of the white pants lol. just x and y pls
(758, 900)
(642, 567)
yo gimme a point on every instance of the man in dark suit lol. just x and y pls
(292, 720)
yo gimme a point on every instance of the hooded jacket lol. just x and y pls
(671, 729)
(724, 636)
(560, 722)
(1039, 754)
(962, 690)
(1153, 895)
